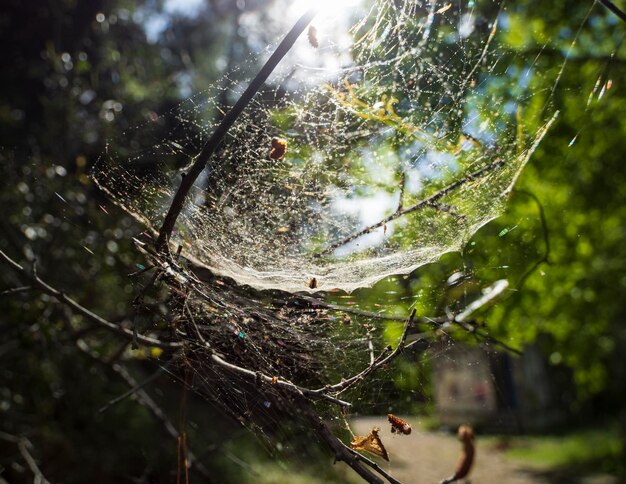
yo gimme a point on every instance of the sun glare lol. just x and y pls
(327, 8)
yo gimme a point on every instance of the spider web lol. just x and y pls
(404, 134)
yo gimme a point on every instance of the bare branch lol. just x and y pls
(15, 290)
(77, 308)
(341, 451)
(24, 446)
(436, 321)
(427, 202)
(613, 8)
(382, 359)
(293, 388)
(356, 312)
(143, 398)
(490, 294)
(139, 386)
(372, 464)
(230, 118)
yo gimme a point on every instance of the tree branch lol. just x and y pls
(139, 386)
(428, 202)
(372, 464)
(381, 360)
(15, 290)
(341, 451)
(292, 387)
(23, 445)
(613, 8)
(144, 399)
(230, 118)
(77, 308)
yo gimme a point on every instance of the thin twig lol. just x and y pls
(613, 8)
(382, 359)
(144, 399)
(15, 290)
(357, 312)
(438, 322)
(370, 346)
(9, 437)
(485, 336)
(23, 445)
(545, 259)
(341, 451)
(428, 202)
(280, 382)
(372, 464)
(77, 308)
(229, 119)
(139, 386)
(489, 295)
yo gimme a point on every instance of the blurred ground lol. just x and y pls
(426, 457)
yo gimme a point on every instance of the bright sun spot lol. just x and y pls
(326, 8)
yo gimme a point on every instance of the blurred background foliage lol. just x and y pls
(76, 74)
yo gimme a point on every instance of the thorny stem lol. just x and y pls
(229, 119)
(428, 202)
(77, 308)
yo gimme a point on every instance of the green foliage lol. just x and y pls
(77, 79)
(589, 450)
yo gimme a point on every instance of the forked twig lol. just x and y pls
(382, 359)
(228, 120)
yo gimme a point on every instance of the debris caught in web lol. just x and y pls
(399, 151)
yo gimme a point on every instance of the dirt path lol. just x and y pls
(426, 457)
